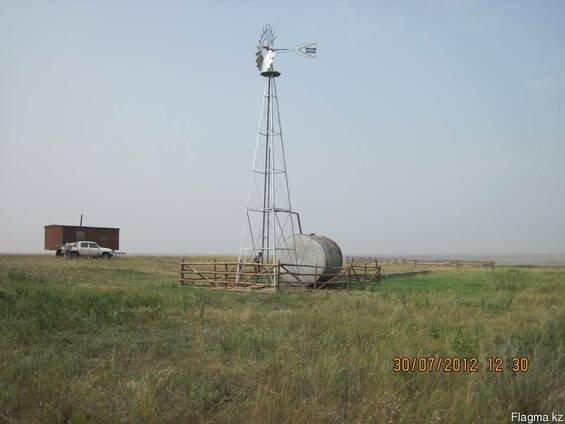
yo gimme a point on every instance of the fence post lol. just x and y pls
(315, 276)
(215, 276)
(349, 275)
(226, 272)
(365, 272)
(277, 275)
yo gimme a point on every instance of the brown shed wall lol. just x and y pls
(53, 237)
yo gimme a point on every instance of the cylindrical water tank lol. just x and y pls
(309, 259)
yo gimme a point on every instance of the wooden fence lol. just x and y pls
(271, 277)
(384, 261)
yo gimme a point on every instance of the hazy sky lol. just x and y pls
(423, 127)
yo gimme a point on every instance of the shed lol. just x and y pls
(57, 235)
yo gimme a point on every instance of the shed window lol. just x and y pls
(80, 236)
(104, 237)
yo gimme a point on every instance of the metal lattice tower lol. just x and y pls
(270, 219)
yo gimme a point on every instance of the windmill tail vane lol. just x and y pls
(309, 50)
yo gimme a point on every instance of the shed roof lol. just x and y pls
(84, 226)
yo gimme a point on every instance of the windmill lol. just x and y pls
(270, 219)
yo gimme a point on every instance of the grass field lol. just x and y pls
(119, 341)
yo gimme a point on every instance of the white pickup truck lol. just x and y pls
(87, 249)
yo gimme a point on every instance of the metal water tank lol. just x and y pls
(316, 258)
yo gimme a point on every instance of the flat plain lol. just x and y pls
(119, 341)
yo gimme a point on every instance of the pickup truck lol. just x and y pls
(88, 249)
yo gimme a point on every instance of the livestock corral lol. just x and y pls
(357, 272)
(121, 341)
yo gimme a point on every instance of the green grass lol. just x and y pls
(119, 341)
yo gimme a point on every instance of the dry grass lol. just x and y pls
(119, 341)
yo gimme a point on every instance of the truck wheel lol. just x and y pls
(58, 253)
(74, 254)
(106, 255)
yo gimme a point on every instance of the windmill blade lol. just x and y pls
(308, 50)
(259, 58)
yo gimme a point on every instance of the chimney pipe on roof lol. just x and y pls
(81, 220)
